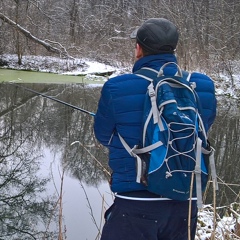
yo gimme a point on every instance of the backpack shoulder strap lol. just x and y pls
(150, 74)
(186, 75)
(147, 73)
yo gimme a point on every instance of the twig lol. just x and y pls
(90, 207)
(60, 218)
(214, 212)
(190, 207)
(94, 158)
(227, 185)
(100, 225)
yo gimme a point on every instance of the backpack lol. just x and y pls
(172, 159)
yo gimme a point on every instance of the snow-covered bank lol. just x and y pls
(228, 86)
(225, 85)
(57, 65)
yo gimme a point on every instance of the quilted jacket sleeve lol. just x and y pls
(104, 123)
(206, 92)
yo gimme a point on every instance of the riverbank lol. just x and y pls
(226, 85)
(75, 67)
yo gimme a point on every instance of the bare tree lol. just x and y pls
(209, 30)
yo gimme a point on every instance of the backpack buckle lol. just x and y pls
(152, 93)
(193, 85)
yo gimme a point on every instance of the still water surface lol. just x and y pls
(77, 214)
(61, 139)
(7, 75)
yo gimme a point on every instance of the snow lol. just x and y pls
(92, 67)
(226, 225)
(228, 85)
(58, 65)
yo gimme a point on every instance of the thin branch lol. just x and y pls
(90, 207)
(94, 158)
(27, 34)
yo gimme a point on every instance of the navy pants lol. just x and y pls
(149, 220)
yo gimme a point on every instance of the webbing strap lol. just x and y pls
(138, 159)
(139, 169)
(129, 150)
(148, 148)
(178, 73)
(160, 122)
(188, 77)
(213, 168)
(198, 174)
(202, 125)
(152, 96)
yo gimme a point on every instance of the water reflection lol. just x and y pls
(225, 138)
(63, 129)
(23, 214)
(29, 123)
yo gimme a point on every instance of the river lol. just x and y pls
(59, 141)
(21, 76)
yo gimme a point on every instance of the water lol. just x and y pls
(77, 214)
(55, 137)
(7, 75)
(41, 131)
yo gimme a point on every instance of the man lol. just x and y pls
(136, 213)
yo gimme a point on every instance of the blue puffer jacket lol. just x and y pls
(120, 110)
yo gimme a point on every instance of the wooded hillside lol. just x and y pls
(99, 29)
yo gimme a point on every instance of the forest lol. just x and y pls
(99, 30)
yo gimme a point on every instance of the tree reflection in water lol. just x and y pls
(225, 136)
(23, 213)
(29, 123)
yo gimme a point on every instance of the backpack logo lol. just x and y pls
(172, 158)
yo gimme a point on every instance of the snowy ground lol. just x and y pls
(227, 227)
(57, 65)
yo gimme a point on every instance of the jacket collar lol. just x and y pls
(153, 61)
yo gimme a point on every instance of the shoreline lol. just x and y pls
(226, 86)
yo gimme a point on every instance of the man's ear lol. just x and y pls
(138, 51)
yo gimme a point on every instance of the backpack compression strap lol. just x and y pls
(134, 151)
